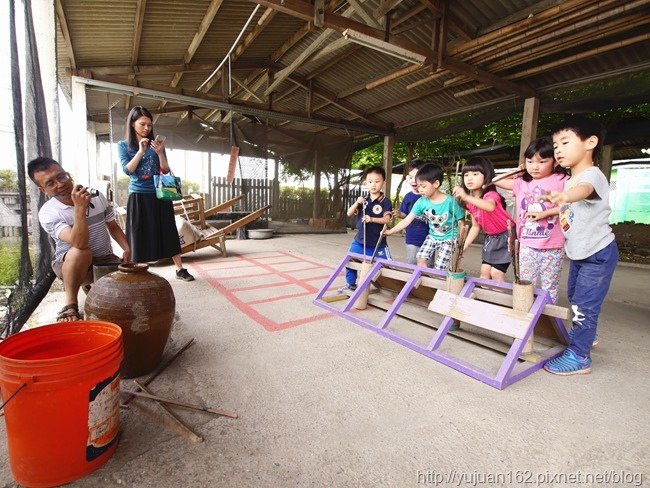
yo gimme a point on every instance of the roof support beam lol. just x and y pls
(164, 69)
(331, 98)
(302, 9)
(63, 23)
(304, 56)
(386, 6)
(364, 13)
(456, 25)
(205, 24)
(202, 100)
(137, 30)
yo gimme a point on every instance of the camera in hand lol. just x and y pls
(93, 192)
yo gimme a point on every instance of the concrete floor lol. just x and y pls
(324, 402)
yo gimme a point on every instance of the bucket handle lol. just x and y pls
(2, 407)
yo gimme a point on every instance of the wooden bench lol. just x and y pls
(191, 208)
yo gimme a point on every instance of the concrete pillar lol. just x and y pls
(528, 125)
(79, 127)
(389, 144)
(45, 31)
(606, 157)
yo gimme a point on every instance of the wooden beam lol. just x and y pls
(407, 15)
(245, 88)
(395, 75)
(456, 25)
(385, 6)
(427, 79)
(295, 64)
(302, 9)
(204, 25)
(164, 69)
(334, 100)
(319, 12)
(137, 30)
(389, 144)
(412, 97)
(305, 55)
(528, 125)
(442, 34)
(488, 78)
(364, 13)
(525, 13)
(63, 23)
(262, 23)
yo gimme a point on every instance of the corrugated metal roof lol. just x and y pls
(562, 43)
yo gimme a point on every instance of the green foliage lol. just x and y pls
(190, 187)
(298, 193)
(9, 262)
(8, 180)
(506, 131)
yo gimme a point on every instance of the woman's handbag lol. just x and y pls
(168, 187)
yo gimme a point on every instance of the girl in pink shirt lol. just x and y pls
(488, 210)
(542, 242)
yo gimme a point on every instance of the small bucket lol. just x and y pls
(63, 421)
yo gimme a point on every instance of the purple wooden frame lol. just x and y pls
(504, 376)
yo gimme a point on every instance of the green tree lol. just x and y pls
(8, 180)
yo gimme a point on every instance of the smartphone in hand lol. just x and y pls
(160, 138)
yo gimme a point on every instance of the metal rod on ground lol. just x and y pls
(170, 421)
(148, 394)
(162, 367)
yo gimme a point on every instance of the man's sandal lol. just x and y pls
(69, 313)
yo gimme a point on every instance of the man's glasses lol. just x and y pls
(62, 178)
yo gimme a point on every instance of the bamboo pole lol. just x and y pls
(522, 26)
(589, 11)
(171, 422)
(522, 299)
(146, 393)
(534, 50)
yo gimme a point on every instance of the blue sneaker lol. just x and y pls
(569, 363)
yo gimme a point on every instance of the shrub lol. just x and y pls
(9, 262)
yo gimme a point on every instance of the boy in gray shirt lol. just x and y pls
(590, 245)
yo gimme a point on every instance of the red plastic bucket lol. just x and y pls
(64, 421)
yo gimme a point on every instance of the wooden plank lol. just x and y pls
(506, 300)
(416, 311)
(480, 314)
(222, 206)
(246, 220)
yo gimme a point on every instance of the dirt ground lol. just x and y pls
(633, 242)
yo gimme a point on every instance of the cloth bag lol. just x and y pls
(168, 187)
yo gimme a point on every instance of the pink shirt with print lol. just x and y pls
(545, 233)
(494, 222)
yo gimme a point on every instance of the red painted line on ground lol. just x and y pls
(263, 285)
(245, 265)
(247, 307)
(242, 276)
(277, 299)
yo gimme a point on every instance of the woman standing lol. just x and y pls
(150, 227)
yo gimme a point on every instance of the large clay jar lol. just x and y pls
(143, 305)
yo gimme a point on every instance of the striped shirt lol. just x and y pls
(55, 216)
